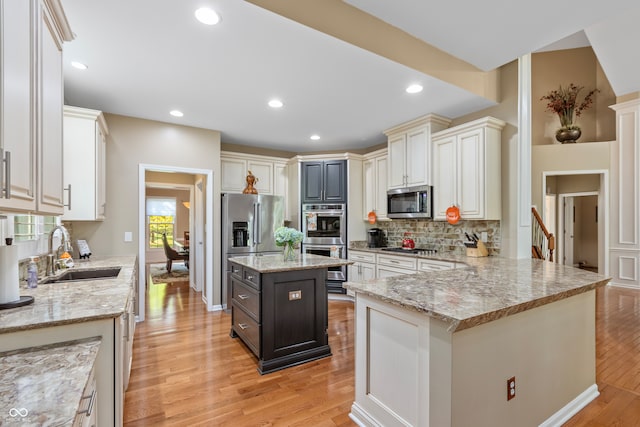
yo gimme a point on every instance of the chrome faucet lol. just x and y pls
(65, 244)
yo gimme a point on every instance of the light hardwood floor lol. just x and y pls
(187, 371)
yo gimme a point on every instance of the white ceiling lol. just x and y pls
(147, 57)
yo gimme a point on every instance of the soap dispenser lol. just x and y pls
(32, 272)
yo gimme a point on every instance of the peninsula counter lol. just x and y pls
(437, 348)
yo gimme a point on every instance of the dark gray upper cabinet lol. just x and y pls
(324, 181)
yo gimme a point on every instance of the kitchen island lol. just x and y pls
(438, 348)
(279, 308)
(77, 310)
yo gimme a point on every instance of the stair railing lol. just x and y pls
(543, 243)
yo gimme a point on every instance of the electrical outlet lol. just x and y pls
(511, 388)
(295, 295)
(484, 236)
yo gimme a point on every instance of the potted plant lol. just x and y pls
(563, 102)
(289, 238)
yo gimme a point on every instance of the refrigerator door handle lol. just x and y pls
(258, 224)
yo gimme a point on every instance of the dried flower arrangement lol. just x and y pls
(563, 102)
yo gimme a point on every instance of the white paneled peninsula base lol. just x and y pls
(436, 349)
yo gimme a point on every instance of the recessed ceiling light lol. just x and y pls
(314, 137)
(275, 103)
(415, 88)
(176, 113)
(79, 65)
(207, 16)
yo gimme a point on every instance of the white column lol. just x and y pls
(523, 226)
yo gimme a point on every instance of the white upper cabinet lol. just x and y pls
(271, 173)
(31, 98)
(374, 180)
(235, 167)
(17, 133)
(85, 140)
(467, 167)
(409, 151)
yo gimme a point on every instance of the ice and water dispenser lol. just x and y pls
(240, 234)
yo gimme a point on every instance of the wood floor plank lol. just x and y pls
(188, 371)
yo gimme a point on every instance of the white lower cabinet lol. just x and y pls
(87, 414)
(369, 265)
(383, 271)
(364, 266)
(435, 265)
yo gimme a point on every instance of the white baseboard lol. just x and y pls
(361, 418)
(571, 408)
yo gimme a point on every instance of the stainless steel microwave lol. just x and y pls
(411, 202)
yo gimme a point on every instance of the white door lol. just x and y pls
(568, 239)
(197, 244)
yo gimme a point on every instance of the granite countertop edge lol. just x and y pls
(407, 293)
(26, 381)
(58, 304)
(275, 263)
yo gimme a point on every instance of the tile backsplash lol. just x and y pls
(441, 235)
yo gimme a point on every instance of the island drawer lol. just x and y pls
(247, 297)
(251, 277)
(397, 261)
(247, 328)
(235, 269)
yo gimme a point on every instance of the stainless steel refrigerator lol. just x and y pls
(248, 223)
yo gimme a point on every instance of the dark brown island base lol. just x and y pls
(279, 308)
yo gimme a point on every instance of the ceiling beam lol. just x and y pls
(350, 24)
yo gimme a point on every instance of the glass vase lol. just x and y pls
(289, 252)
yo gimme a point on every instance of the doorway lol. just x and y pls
(578, 245)
(201, 228)
(576, 204)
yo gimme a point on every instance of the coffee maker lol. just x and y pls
(375, 238)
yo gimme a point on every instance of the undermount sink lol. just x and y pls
(77, 275)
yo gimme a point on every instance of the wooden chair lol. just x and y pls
(173, 255)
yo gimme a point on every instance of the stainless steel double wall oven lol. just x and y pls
(325, 233)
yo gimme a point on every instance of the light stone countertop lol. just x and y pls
(73, 302)
(485, 290)
(42, 386)
(275, 263)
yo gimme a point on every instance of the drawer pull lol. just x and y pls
(394, 261)
(89, 409)
(243, 296)
(243, 326)
(250, 277)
